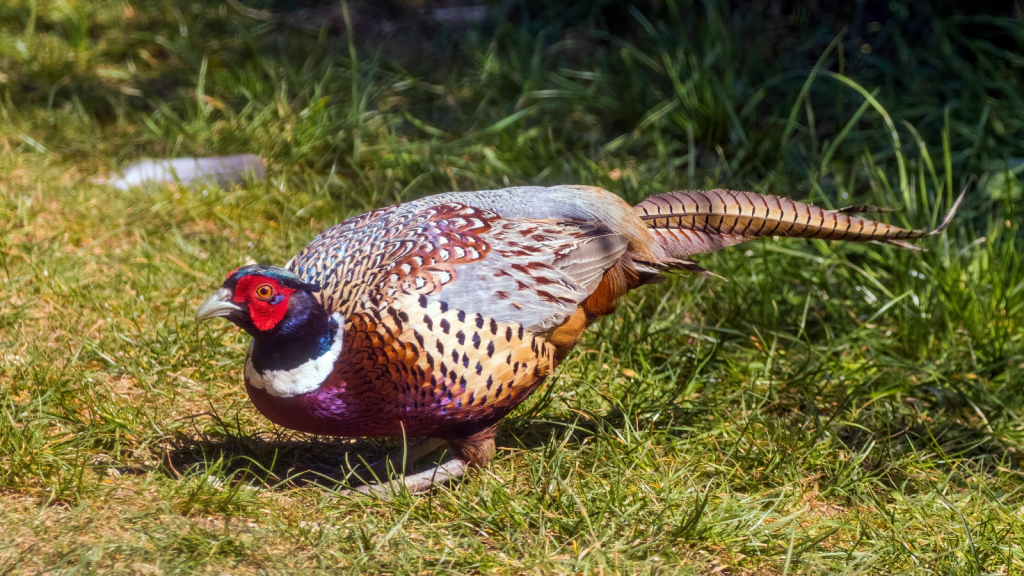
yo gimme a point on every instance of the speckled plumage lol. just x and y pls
(450, 309)
(457, 306)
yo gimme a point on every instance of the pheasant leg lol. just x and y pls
(399, 461)
(473, 451)
(419, 482)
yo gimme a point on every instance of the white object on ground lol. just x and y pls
(459, 15)
(225, 170)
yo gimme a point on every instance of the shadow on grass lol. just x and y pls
(280, 459)
(285, 460)
(949, 444)
(960, 448)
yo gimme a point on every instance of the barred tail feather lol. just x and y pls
(686, 223)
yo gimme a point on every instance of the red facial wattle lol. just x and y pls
(265, 313)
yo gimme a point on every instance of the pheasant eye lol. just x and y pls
(264, 291)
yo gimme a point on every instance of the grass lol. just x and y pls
(833, 408)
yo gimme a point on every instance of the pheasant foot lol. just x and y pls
(472, 451)
(398, 461)
(419, 482)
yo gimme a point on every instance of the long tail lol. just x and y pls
(687, 223)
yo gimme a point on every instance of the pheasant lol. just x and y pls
(435, 318)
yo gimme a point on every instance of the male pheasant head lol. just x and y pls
(295, 343)
(262, 300)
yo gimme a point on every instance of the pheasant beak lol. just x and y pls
(219, 305)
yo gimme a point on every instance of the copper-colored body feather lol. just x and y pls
(457, 306)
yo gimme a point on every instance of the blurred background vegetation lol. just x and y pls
(684, 87)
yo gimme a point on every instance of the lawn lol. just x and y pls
(832, 408)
